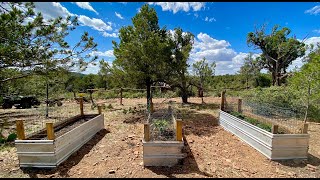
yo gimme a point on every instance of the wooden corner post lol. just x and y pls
(274, 129)
(99, 109)
(81, 106)
(20, 130)
(239, 105)
(305, 128)
(50, 131)
(223, 99)
(146, 132)
(179, 130)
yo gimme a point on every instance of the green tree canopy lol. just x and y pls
(144, 50)
(34, 45)
(278, 51)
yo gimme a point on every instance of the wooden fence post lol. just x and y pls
(239, 105)
(146, 132)
(50, 131)
(179, 130)
(99, 109)
(121, 96)
(274, 129)
(81, 106)
(305, 128)
(223, 99)
(20, 130)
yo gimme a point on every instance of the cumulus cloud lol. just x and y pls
(85, 5)
(210, 19)
(91, 69)
(94, 23)
(108, 53)
(315, 10)
(105, 34)
(179, 6)
(228, 61)
(51, 10)
(118, 15)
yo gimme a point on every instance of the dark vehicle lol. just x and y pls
(20, 102)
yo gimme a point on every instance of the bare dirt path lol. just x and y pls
(212, 151)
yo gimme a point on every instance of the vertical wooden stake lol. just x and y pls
(240, 105)
(20, 130)
(99, 109)
(146, 132)
(275, 129)
(50, 131)
(81, 106)
(223, 97)
(121, 96)
(179, 130)
(305, 128)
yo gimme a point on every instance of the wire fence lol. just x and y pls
(289, 120)
(34, 119)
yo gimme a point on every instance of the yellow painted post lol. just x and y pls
(81, 106)
(240, 105)
(50, 131)
(146, 132)
(223, 97)
(20, 130)
(275, 129)
(99, 109)
(305, 128)
(179, 130)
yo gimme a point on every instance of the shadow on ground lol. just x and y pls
(312, 160)
(73, 160)
(187, 166)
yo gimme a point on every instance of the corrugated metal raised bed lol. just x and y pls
(44, 151)
(163, 152)
(273, 146)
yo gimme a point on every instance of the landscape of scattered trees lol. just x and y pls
(35, 57)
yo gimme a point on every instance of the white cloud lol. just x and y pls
(228, 61)
(196, 15)
(210, 19)
(138, 10)
(179, 6)
(316, 31)
(51, 10)
(118, 15)
(299, 61)
(314, 10)
(94, 23)
(108, 53)
(85, 5)
(91, 69)
(105, 34)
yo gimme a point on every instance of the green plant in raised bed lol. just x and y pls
(252, 121)
(161, 124)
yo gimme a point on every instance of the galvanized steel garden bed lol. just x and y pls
(273, 146)
(163, 152)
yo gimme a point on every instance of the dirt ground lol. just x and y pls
(211, 151)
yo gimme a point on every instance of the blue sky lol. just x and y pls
(220, 28)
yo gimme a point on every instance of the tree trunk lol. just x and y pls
(90, 92)
(149, 98)
(184, 92)
(74, 95)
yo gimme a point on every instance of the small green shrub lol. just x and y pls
(110, 106)
(12, 137)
